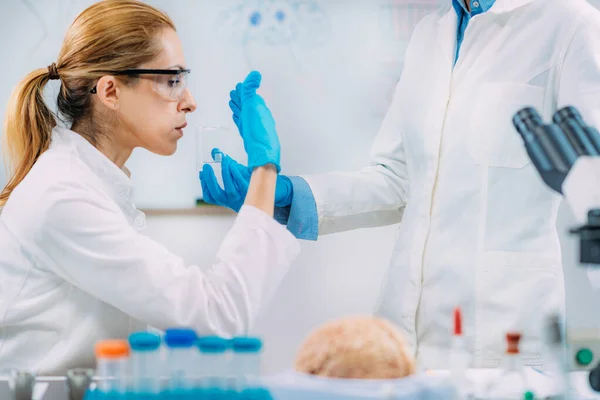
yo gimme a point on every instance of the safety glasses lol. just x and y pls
(168, 83)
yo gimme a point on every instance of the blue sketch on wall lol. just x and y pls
(274, 22)
(399, 18)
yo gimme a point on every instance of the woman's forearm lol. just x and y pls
(261, 192)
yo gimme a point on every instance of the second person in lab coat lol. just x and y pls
(74, 267)
(478, 225)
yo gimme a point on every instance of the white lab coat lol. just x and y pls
(74, 268)
(478, 225)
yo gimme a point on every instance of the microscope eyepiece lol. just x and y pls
(526, 120)
(567, 113)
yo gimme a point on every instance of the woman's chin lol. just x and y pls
(164, 149)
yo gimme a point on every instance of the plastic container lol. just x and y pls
(146, 362)
(214, 367)
(181, 358)
(112, 357)
(247, 354)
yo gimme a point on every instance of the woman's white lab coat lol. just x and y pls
(75, 269)
(478, 225)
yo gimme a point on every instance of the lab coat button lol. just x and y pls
(139, 221)
(124, 191)
(475, 4)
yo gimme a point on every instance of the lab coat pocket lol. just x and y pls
(515, 292)
(493, 140)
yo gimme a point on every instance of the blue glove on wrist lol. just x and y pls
(255, 123)
(236, 179)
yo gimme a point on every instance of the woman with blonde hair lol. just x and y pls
(74, 268)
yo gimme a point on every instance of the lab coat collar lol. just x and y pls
(504, 6)
(498, 8)
(116, 179)
(484, 4)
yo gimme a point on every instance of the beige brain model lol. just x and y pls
(356, 348)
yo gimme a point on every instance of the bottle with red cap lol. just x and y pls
(511, 382)
(460, 358)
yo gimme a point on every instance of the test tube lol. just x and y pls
(181, 358)
(146, 365)
(213, 365)
(246, 361)
(111, 365)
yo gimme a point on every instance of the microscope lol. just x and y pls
(566, 154)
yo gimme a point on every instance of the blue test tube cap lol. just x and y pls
(212, 344)
(180, 337)
(144, 341)
(246, 344)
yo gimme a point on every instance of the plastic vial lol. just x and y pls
(181, 358)
(511, 382)
(112, 358)
(247, 361)
(459, 359)
(558, 348)
(146, 363)
(214, 366)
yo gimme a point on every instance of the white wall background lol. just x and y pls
(329, 68)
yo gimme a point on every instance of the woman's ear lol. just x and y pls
(108, 90)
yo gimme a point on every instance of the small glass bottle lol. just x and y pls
(511, 382)
(460, 359)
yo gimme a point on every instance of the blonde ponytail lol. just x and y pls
(110, 35)
(27, 128)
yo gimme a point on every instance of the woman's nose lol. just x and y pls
(187, 103)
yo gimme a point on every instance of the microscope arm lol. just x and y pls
(581, 187)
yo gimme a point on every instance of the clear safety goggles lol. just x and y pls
(168, 83)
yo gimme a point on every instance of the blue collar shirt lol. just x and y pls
(464, 16)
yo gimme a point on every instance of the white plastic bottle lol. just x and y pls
(214, 366)
(181, 359)
(112, 365)
(146, 363)
(247, 353)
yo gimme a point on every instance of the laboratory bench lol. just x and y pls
(205, 209)
(293, 386)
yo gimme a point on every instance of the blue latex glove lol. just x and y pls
(236, 179)
(255, 123)
(235, 104)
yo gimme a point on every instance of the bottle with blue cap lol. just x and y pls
(247, 352)
(182, 358)
(146, 363)
(213, 367)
